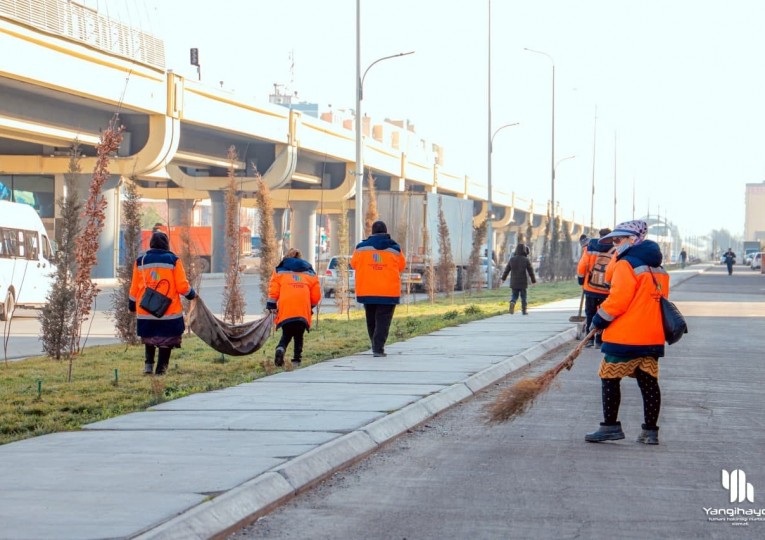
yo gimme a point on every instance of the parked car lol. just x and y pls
(756, 263)
(331, 277)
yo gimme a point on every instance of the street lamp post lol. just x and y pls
(359, 172)
(490, 210)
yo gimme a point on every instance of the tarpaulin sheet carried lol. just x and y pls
(231, 339)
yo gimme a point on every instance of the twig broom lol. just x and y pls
(517, 399)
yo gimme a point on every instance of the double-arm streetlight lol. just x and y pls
(490, 210)
(359, 96)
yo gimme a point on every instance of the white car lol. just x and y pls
(756, 263)
(332, 275)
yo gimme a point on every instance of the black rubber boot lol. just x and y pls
(296, 363)
(512, 308)
(606, 433)
(649, 436)
(279, 357)
(163, 361)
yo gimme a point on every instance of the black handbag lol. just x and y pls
(154, 301)
(672, 320)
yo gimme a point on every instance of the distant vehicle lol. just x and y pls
(331, 277)
(255, 245)
(26, 259)
(756, 263)
(751, 247)
(199, 240)
(483, 275)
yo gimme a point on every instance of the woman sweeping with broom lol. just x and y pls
(633, 336)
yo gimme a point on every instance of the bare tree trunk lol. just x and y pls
(86, 250)
(124, 320)
(268, 249)
(233, 299)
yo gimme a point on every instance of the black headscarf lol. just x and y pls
(159, 240)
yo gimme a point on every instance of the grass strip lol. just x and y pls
(107, 381)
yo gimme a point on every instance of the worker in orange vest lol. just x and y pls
(378, 262)
(293, 292)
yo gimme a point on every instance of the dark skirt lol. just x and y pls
(170, 342)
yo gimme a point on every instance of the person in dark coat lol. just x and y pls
(518, 268)
(161, 269)
(730, 260)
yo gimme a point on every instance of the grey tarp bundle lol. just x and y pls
(231, 339)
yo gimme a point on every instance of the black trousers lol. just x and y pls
(294, 329)
(379, 317)
(611, 394)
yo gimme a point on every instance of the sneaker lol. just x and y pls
(148, 368)
(525, 312)
(279, 357)
(295, 363)
(606, 433)
(378, 354)
(648, 436)
(590, 344)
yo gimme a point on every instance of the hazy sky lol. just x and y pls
(678, 84)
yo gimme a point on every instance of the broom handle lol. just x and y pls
(568, 362)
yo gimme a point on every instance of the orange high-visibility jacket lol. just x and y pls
(162, 270)
(378, 263)
(631, 314)
(586, 263)
(293, 291)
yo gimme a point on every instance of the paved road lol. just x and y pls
(535, 477)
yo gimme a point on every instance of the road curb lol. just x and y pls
(226, 513)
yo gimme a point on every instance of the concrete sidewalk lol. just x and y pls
(196, 466)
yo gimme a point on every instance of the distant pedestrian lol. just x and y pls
(633, 335)
(730, 259)
(160, 269)
(591, 274)
(518, 268)
(683, 258)
(378, 262)
(293, 292)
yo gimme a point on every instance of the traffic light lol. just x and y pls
(195, 57)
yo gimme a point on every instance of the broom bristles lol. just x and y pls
(516, 399)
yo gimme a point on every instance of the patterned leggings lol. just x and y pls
(612, 398)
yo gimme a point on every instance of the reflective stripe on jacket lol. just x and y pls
(378, 263)
(632, 309)
(294, 290)
(150, 270)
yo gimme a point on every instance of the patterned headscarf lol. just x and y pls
(637, 228)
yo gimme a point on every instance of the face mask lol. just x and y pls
(624, 246)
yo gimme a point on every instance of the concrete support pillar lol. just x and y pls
(179, 212)
(218, 206)
(279, 230)
(397, 184)
(334, 235)
(352, 230)
(303, 229)
(108, 241)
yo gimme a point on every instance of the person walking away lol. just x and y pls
(378, 262)
(633, 335)
(591, 274)
(518, 268)
(730, 260)
(293, 292)
(683, 258)
(161, 269)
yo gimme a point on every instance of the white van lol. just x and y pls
(26, 267)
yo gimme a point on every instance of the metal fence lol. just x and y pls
(75, 21)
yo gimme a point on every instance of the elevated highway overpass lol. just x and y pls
(67, 70)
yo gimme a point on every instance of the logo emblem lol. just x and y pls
(377, 258)
(296, 277)
(735, 482)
